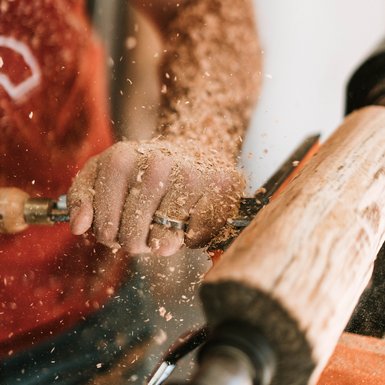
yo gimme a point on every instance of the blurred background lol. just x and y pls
(310, 50)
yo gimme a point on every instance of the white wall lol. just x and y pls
(310, 49)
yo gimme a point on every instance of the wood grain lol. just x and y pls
(298, 270)
(12, 202)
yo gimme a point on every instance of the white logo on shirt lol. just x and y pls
(17, 91)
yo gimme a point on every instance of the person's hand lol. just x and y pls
(122, 190)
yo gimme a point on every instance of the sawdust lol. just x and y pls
(180, 181)
(210, 76)
(193, 173)
(227, 234)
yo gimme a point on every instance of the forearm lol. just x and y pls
(210, 74)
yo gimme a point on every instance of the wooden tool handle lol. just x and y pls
(299, 268)
(12, 201)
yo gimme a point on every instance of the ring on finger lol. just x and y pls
(169, 222)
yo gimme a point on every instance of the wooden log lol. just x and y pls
(297, 271)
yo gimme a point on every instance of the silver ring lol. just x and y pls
(169, 223)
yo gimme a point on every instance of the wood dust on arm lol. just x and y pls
(210, 75)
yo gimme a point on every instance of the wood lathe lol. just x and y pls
(297, 271)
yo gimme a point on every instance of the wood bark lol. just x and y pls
(298, 270)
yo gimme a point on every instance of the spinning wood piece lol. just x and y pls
(298, 270)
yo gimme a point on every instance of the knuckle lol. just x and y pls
(117, 156)
(118, 161)
(76, 196)
(157, 171)
(157, 158)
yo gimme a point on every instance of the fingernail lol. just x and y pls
(80, 219)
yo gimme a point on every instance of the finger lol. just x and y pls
(182, 196)
(165, 241)
(143, 200)
(80, 198)
(115, 176)
(212, 211)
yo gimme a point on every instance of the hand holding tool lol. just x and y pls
(18, 209)
(297, 271)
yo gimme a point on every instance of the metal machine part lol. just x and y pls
(367, 85)
(235, 353)
(180, 348)
(45, 211)
(225, 365)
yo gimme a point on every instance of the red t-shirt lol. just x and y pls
(53, 117)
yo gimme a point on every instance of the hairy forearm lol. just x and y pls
(210, 74)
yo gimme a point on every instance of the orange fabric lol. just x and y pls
(48, 129)
(357, 360)
(303, 162)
